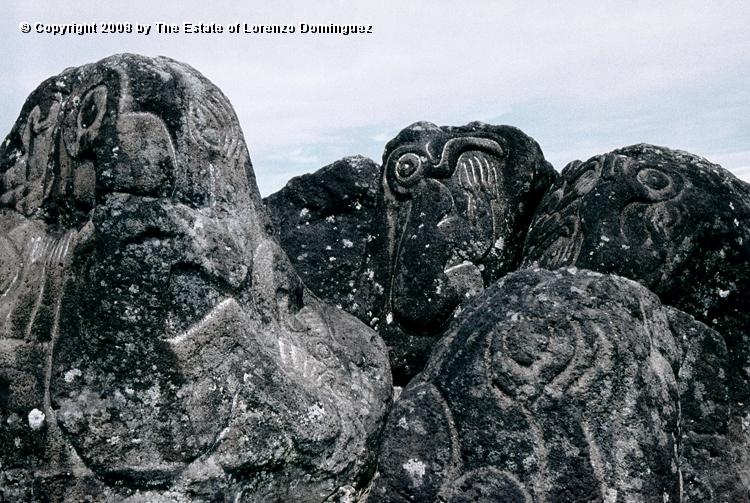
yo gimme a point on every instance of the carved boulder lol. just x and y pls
(671, 221)
(156, 343)
(456, 205)
(564, 386)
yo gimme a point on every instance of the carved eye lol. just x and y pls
(653, 179)
(407, 166)
(658, 185)
(88, 114)
(407, 172)
(586, 177)
(92, 107)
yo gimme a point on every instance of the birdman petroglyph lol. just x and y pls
(456, 205)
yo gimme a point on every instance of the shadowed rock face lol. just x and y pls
(675, 223)
(324, 221)
(456, 205)
(564, 386)
(156, 343)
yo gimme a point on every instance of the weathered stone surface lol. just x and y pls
(156, 343)
(711, 464)
(323, 222)
(564, 386)
(456, 205)
(675, 223)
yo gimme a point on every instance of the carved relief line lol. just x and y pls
(457, 146)
(472, 163)
(32, 278)
(210, 124)
(53, 252)
(540, 448)
(202, 323)
(12, 284)
(301, 362)
(597, 463)
(394, 245)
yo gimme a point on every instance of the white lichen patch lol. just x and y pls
(304, 212)
(723, 293)
(315, 412)
(416, 470)
(36, 419)
(72, 374)
(347, 243)
(389, 318)
(151, 396)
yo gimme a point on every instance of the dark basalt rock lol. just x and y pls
(156, 344)
(456, 205)
(323, 222)
(711, 466)
(675, 223)
(564, 386)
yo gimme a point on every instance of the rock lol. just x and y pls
(323, 222)
(456, 205)
(563, 386)
(157, 344)
(675, 223)
(711, 464)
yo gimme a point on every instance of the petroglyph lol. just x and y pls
(560, 385)
(671, 221)
(450, 196)
(154, 338)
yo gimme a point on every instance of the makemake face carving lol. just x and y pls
(639, 218)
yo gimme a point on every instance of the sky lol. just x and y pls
(581, 78)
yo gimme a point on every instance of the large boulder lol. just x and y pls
(671, 221)
(323, 221)
(564, 386)
(457, 202)
(156, 343)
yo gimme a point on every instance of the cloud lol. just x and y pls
(580, 77)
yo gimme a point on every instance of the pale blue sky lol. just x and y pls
(581, 78)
